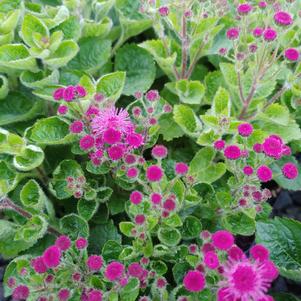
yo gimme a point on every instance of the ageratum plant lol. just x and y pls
(142, 146)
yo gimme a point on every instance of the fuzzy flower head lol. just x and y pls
(272, 146)
(245, 129)
(94, 262)
(270, 34)
(211, 260)
(264, 173)
(63, 294)
(52, 257)
(81, 243)
(219, 144)
(283, 18)
(63, 242)
(154, 173)
(112, 118)
(290, 171)
(194, 281)
(232, 33)
(159, 152)
(232, 152)
(244, 8)
(222, 240)
(114, 271)
(181, 168)
(246, 280)
(21, 292)
(292, 54)
(136, 197)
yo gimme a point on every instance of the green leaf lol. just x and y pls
(31, 25)
(276, 113)
(131, 20)
(16, 57)
(159, 267)
(10, 143)
(65, 53)
(111, 85)
(185, 118)
(18, 107)
(190, 92)
(169, 128)
(126, 228)
(31, 157)
(74, 226)
(97, 29)
(282, 237)
(169, 236)
(3, 87)
(58, 185)
(111, 250)
(51, 131)
(100, 234)
(284, 182)
(93, 53)
(165, 61)
(285, 297)
(8, 246)
(139, 66)
(179, 270)
(87, 209)
(8, 178)
(130, 292)
(239, 224)
(39, 79)
(32, 196)
(71, 28)
(204, 169)
(34, 229)
(191, 228)
(221, 103)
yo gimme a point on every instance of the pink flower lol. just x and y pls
(11, 282)
(130, 159)
(161, 283)
(95, 295)
(163, 11)
(81, 243)
(290, 171)
(98, 97)
(236, 254)
(211, 260)
(169, 205)
(257, 32)
(219, 144)
(132, 172)
(111, 136)
(69, 93)
(94, 262)
(232, 33)
(264, 173)
(243, 280)
(139, 219)
(136, 197)
(262, 4)
(194, 281)
(21, 292)
(245, 129)
(118, 119)
(62, 110)
(222, 239)
(283, 18)
(167, 108)
(63, 242)
(272, 147)
(52, 257)
(270, 271)
(38, 265)
(115, 152)
(270, 34)
(114, 270)
(154, 173)
(134, 140)
(136, 111)
(248, 170)
(181, 168)
(86, 142)
(80, 91)
(286, 150)
(257, 147)
(159, 151)
(58, 93)
(156, 198)
(232, 152)
(63, 294)
(76, 127)
(292, 54)
(259, 252)
(135, 270)
(244, 9)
